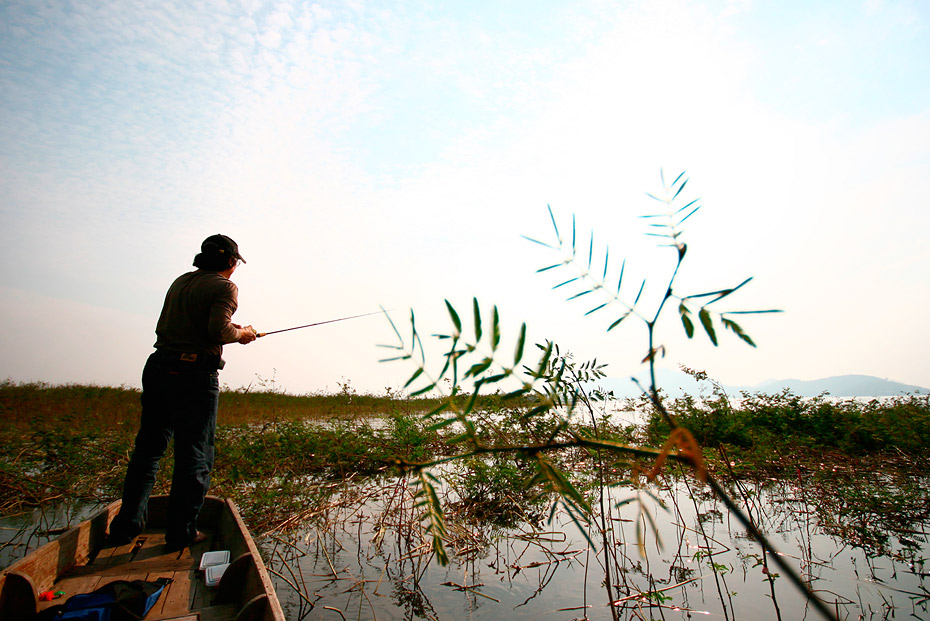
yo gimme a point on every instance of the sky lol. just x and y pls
(394, 155)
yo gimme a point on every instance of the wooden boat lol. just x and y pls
(80, 562)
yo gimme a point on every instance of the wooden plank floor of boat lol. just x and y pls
(186, 598)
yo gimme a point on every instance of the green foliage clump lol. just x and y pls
(785, 421)
(492, 488)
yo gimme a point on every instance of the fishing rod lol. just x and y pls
(319, 323)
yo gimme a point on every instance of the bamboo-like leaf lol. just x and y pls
(688, 325)
(477, 313)
(680, 189)
(704, 316)
(391, 321)
(415, 375)
(469, 407)
(732, 325)
(680, 175)
(436, 521)
(462, 437)
(656, 499)
(423, 390)
(652, 524)
(620, 280)
(554, 225)
(570, 280)
(495, 329)
(680, 222)
(641, 287)
(560, 484)
(539, 409)
(536, 241)
(549, 267)
(596, 308)
(574, 515)
(591, 251)
(521, 341)
(708, 294)
(455, 318)
(617, 323)
(479, 368)
(606, 260)
(516, 393)
(578, 295)
(654, 198)
(445, 422)
(440, 408)
(722, 293)
(686, 320)
(573, 236)
(405, 357)
(543, 360)
(686, 206)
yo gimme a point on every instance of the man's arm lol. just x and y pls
(220, 325)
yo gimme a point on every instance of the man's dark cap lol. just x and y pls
(222, 246)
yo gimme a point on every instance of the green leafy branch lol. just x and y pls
(667, 226)
(552, 387)
(548, 390)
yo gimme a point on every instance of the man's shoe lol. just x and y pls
(115, 540)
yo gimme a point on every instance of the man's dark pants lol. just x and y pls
(178, 399)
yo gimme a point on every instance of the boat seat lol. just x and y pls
(18, 599)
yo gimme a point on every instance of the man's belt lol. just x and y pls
(189, 360)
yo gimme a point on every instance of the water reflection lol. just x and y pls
(861, 541)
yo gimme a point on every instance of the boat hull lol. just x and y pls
(80, 561)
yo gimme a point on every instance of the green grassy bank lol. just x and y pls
(274, 449)
(73, 441)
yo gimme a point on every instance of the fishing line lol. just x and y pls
(319, 323)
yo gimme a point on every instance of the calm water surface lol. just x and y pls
(360, 554)
(361, 559)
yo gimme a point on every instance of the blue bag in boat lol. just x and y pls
(121, 600)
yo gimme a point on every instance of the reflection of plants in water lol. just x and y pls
(554, 388)
(875, 512)
(372, 525)
(363, 552)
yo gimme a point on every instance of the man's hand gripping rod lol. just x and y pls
(319, 323)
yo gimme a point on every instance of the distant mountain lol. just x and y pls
(841, 386)
(677, 384)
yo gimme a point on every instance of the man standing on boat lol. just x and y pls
(180, 393)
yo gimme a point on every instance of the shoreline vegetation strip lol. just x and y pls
(71, 442)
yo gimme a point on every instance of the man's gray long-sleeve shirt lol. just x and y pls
(197, 314)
